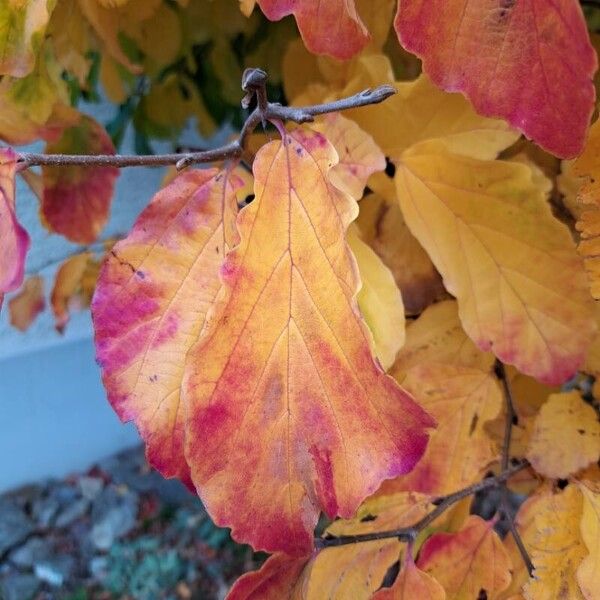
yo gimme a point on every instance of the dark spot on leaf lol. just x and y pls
(581, 431)
(141, 274)
(299, 151)
(473, 423)
(482, 595)
(153, 378)
(368, 518)
(390, 167)
(515, 420)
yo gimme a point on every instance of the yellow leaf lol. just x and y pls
(285, 350)
(461, 400)
(468, 561)
(588, 166)
(27, 304)
(379, 301)
(382, 226)
(22, 28)
(359, 156)
(565, 437)
(588, 573)
(555, 545)
(520, 286)
(437, 336)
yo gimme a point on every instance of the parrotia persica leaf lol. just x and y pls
(151, 301)
(437, 336)
(412, 584)
(529, 62)
(74, 285)
(565, 422)
(462, 400)
(14, 240)
(383, 227)
(521, 288)
(555, 544)
(76, 200)
(333, 27)
(359, 156)
(588, 223)
(27, 304)
(286, 357)
(588, 573)
(379, 300)
(22, 26)
(468, 561)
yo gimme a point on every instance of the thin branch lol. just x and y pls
(511, 415)
(265, 111)
(408, 534)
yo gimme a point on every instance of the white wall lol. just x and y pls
(54, 417)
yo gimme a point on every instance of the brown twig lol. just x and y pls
(408, 534)
(505, 460)
(264, 111)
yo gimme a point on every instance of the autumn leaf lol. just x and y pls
(383, 227)
(22, 27)
(151, 301)
(437, 336)
(588, 223)
(506, 58)
(555, 544)
(462, 400)
(76, 200)
(25, 306)
(332, 27)
(565, 421)
(285, 351)
(521, 289)
(588, 574)
(14, 240)
(412, 583)
(359, 156)
(280, 578)
(379, 300)
(74, 285)
(468, 561)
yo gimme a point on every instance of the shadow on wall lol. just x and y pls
(54, 416)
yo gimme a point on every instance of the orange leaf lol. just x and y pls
(287, 357)
(513, 267)
(280, 578)
(412, 584)
(331, 27)
(27, 304)
(359, 156)
(76, 200)
(565, 437)
(462, 400)
(467, 562)
(507, 57)
(74, 285)
(14, 240)
(151, 301)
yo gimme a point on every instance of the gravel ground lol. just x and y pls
(118, 531)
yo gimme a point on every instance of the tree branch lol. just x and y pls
(504, 461)
(408, 534)
(265, 111)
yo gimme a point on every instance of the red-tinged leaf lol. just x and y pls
(14, 240)
(76, 200)
(280, 578)
(332, 27)
(27, 304)
(150, 304)
(412, 584)
(468, 561)
(283, 386)
(528, 61)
